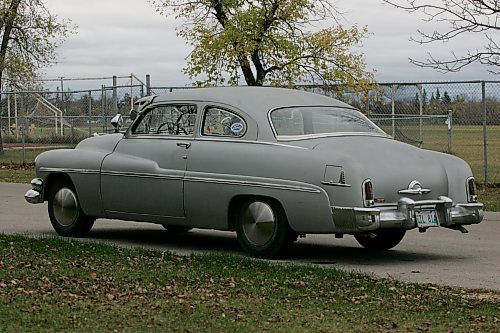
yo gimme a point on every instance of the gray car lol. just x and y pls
(271, 164)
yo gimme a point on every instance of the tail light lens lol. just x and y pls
(368, 198)
(471, 190)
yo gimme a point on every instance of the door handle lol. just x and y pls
(184, 144)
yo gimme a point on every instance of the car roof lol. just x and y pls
(255, 101)
(254, 98)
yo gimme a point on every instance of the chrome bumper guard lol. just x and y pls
(353, 219)
(35, 195)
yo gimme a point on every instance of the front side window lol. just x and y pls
(220, 122)
(304, 120)
(168, 120)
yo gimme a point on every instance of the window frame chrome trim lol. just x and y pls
(229, 139)
(320, 135)
(202, 121)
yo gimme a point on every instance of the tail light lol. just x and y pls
(368, 198)
(471, 190)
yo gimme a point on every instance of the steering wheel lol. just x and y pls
(170, 127)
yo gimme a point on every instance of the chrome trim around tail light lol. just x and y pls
(471, 188)
(367, 190)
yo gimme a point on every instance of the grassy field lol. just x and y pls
(55, 285)
(467, 143)
(11, 171)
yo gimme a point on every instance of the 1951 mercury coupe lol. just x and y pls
(268, 163)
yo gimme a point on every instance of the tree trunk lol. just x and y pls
(8, 23)
(1, 128)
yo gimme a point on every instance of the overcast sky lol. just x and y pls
(119, 37)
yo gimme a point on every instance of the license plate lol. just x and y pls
(427, 219)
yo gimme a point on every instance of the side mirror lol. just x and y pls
(117, 122)
(133, 114)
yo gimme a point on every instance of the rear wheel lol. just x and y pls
(262, 228)
(66, 216)
(381, 239)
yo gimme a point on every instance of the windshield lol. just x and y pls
(311, 120)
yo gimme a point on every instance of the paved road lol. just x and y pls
(439, 256)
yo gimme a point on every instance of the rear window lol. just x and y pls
(299, 121)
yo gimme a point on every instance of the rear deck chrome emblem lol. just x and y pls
(415, 188)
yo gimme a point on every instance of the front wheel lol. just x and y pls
(262, 228)
(381, 239)
(66, 216)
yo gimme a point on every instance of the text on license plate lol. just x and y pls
(427, 218)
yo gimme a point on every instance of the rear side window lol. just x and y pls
(311, 120)
(222, 123)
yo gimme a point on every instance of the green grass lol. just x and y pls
(15, 173)
(467, 143)
(55, 285)
(490, 196)
(17, 156)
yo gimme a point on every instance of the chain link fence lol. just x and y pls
(461, 118)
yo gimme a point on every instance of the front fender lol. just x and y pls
(82, 167)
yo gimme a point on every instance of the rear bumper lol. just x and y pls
(35, 195)
(402, 216)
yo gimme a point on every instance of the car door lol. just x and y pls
(143, 178)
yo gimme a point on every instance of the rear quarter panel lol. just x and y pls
(219, 171)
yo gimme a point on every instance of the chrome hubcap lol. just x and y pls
(259, 223)
(65, 207)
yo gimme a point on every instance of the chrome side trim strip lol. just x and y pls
(141, 175)
(252, 184)
(144, 215)
(69, 170)
(190, 179)
(335, 184)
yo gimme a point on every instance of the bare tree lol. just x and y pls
(29, 36)
(462, 17)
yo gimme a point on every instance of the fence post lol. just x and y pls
(23, 140)
(421, 112)
(8, 112)
(72, 131)
(485, 136)
(148, 84)
(450, 124)
(115, 96)
(90, 112)
(393, 109)
(16, 118)
(63, 104)
(103, 105)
